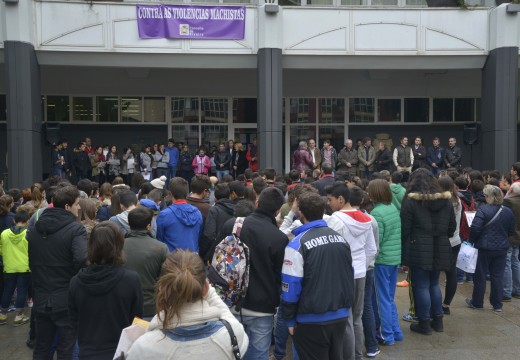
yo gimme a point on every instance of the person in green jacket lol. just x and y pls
(15, 252)
(397, 189)
(389, 257)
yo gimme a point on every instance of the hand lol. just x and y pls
(434, 165)
(448, 165)
(294, 207)
(349, 165)
(221, 165)
(234, 167)
(291, 330)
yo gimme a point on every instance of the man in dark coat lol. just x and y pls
(326, 180)
(383, 158)
(419, 154)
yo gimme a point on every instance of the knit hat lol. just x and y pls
(159, 183)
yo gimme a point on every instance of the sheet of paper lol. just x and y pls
(470, 215)
(146, 176)
(131, 163)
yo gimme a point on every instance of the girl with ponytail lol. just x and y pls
(187, 325)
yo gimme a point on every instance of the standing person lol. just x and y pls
(145, 162)
(67, 157)
(222, 161)
(453, 155)
(403, 156)
(239, 161)
(315, 154)
(435, 157)
(180, 225)
(252, 156)
(231, 149)
(173, 152)
(301, 158)
(82, 162)
(155, 150)
(367, 156)
(186, 159)
(127, 165)
(114, 164)
(427, 222)
(326, 180)
(397, 189)
(329, 155)
(88, 146)
(57, 250)
(98, 162)
(389, 257)
(162, 158)
(58, 161)
(189, 317)
(383, 158)
(419, 154)
(200, 185)
(317, 294)
(490, 229)
(348, 159)
(108, 290)
(512, 271)
(201, 163)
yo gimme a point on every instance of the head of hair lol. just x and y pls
(105, 245)
(200, 183)
(379, 191)
(294, 175)
(85, 185)
(145, 189)
(105, 191)
(516, 167)
(156, 195)
(118, 180)
(339, 188)
(386, 175)
(179, 188)
(26, 194)
(222, 191)
(475, 175)
(436, 138)
(282, 185)
(87, 211)
(16, 194)
(494, 181)
(127, 198)
(341, 175)
(65, 196)
(254, 175)
(271, 200)
(397, 177)
(446, 184)
(269, 174)
(327, 169)
(248, 174)
(461, 182)
(476, 186)
(137, 180)
(422, 181)
(356, 196)
(453, 175)
(183, 281)
(21, 216)
(311, 205)
(495, 174)
(244, 208)
(237, 187)
(37, 194)
(493, 194)
(366, 139)
(6, 203)
(227, 178)
(49, 193)
(249, 194)
(140, 217)
(241, 178)
(259, 185)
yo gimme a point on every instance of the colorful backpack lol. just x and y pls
(229, 269)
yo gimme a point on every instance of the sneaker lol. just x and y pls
(460, 282)
(373, 354)
(506, 299)
(3, 319)
(21, 320)
(446, 310)
(30, 343)
(403, 283)
(398, 336)
(408, 317)
(497, 310)
(470, 304)
(29, 303)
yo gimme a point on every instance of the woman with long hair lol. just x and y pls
(6, 215)
(114, 164)
(87, 214)
(189, 312)
(427, 223)
(98, 165)
(239, 162)
(38, 196)
(128, 164)
(104, 297)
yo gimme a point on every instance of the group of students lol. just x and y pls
(324, 256)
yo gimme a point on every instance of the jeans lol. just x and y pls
(49, 324)
(460, 275)
(259, 330)
(436, 170)
(20, 282)
(221, 174)
(172, 171)
(281, 334)
(493, 261)
(353, 338)
(512, 273)
(369, 323)
(384, 305)
(162, 172)
(427, 293)
(365, 174)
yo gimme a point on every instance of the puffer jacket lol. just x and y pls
(492, 236)
(387, 217)
(427, 223)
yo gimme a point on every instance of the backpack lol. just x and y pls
(464, 226)
(229, 269)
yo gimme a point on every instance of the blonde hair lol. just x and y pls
(493, 195)
(239, 146)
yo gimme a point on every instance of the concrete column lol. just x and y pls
(24, 138)
(499, 109)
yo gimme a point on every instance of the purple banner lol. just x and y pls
(191, 22)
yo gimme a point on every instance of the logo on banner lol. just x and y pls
(184, 29)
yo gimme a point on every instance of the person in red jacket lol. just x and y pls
(252, 156)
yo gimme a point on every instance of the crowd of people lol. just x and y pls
(324, 245)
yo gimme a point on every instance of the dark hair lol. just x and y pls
(365, 139)
(436, 138)
(6, 202)
(327, 168)
(145, 189)
(477, 185)
(105, 190)
(137, 181)
(222, 191)
(238, 188)
(446, 184)
(85, 185)
(244, 208)
(282, 185)
(475, 174)
(199, 183)
(271, 200)
(227, 178)
(423, 182)
(461, 182)
(21, 217)
(338, 189)
(294, 175)
(248, 173)
(156, 195)
(249, 194)
(118, 180)
(356, 196)
(241, 178)
(65, 196)
(140, 217)
(105, 245)
(170, 140)
(311, 206)
(516, 167)
(379, 191)
(127, 198)
(270, 173)
(87, 210)
(15, 193)
(259, 185)
(49, 193)
(397, 177)
(179, 188)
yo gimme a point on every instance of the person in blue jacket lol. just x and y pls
(180, 225)
(173, 153)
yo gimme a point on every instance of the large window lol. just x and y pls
(154, 109)
(389, 110)
(107, 108)
(82, 109)
(361, 110)
(442, 110)
(187, 134)
(58, 108)
(301, 133)
(331, 111)
(3, 108)
(131, 108)
(185, 110)
(245, 111)
(465, 110)
(213, 135)
(302, 111)
(416, 110)
(214, 110)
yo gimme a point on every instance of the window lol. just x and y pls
(303, 111)
(465, 110)
(389, 110)
(301, 133)
(131, 109)
(336, 135)
(213, 135)
(442, 110)
(82, 109)
(107, 108)
(58, 108)
(214, 110)
(245, 111)
(3, 108)
(361, 110)
(416, 110)
(331, 111)
(185, 110)
(187, 134)
(154, 109)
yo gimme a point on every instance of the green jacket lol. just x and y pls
(14, 249)
(397, 195)
(389, 223)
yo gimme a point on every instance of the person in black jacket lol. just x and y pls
(81, 162)
(239, 162)
(326, 180)
(105, 297)
(57, 250)
(383, 158)
(222, 161)
(419, 154)
(453, 155)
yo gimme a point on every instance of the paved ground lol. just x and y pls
(469, 334)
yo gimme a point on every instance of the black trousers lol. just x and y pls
(320, 342)
(451, 277)
(49, 324)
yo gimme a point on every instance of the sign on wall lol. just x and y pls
(191, 22)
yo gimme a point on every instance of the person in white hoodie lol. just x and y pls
(189, 323)
(356, 227)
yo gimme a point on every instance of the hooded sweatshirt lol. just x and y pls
(217, 216)
(121, 220)
(15, 250)
(103, 300)
(397, 195)
(179, 226)
(356, 227)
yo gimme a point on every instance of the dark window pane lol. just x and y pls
(361, 110)
(58, 108)
(442, 110)
(299, 133)
(131, 109)
(336, 135)
(214, 110)
(245, 136)
(303, 111)
(185, 110)
(244, 111)
(464, 110)
(479, 109)
(213, 135)
(82, 109)
(331, 111)
(154, 109)
(416, 110)
(187, 134)
(389, 110)
(106, 108)
(3, 108)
